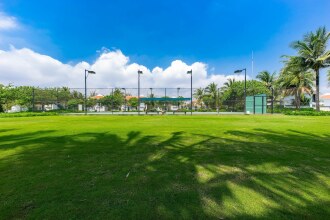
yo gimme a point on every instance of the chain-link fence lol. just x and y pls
(136, 100)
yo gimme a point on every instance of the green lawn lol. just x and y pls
(165, 167)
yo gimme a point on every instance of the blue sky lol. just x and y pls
(220, 33)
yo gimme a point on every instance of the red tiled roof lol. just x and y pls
(326, 96)
(129, 97)
(99, 96)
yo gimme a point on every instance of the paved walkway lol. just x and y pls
(158, 113)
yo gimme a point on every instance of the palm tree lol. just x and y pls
(267, 78)
(296, 80)
(199, 95)
(228, 84)
(212, 90)
(313, 54)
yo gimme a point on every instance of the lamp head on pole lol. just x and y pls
(238, 71)
(140, 72)
(90, 71)
(189, 72)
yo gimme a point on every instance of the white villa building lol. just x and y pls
(325, 100)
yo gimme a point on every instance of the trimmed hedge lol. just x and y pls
(27, 114)
(307, 113)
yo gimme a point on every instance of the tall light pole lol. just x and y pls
(139, 73)
(178, 92)
(272, 99)
(239, 71)
(125, 98)
(218, 101)
(87, 72)
(190, 72)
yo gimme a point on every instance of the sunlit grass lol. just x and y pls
(160, 167)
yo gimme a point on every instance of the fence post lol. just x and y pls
(165, 101)
(112, 101)
(33, 96)
(254, 105)
(262, 105)
(272, 100)
(57, 99)
(218, 101)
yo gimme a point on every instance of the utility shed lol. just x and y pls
(256, 104)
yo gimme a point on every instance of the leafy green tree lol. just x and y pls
(207, 100)
(313, 54)
(76, 95)
(1, 97)
(74, 98)
(233, 97)
(45, 96)
(24, 96)
(73, 104)
(133, 102)
(10, 95)
(7, 96)
(114, 100)
(63, 96)
(118, 98)
(91, 102)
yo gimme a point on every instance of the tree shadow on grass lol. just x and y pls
(6, 130)
(11, 141)
(259, 174)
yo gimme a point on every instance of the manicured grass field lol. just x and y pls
(165, 167)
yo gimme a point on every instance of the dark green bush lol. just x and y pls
(308, 113)
(27, 114)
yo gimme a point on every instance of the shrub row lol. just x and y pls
(308, 113)
(27, 114)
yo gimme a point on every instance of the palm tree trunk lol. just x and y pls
(317, 84)
(299, 94)
(296, 99)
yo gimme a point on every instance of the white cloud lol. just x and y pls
(113, 69)
(8, 22)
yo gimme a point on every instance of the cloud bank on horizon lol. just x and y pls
(113, 69)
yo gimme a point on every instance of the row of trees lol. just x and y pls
(116, 100)
(29, 97)
(64, 98)
(34, 98)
